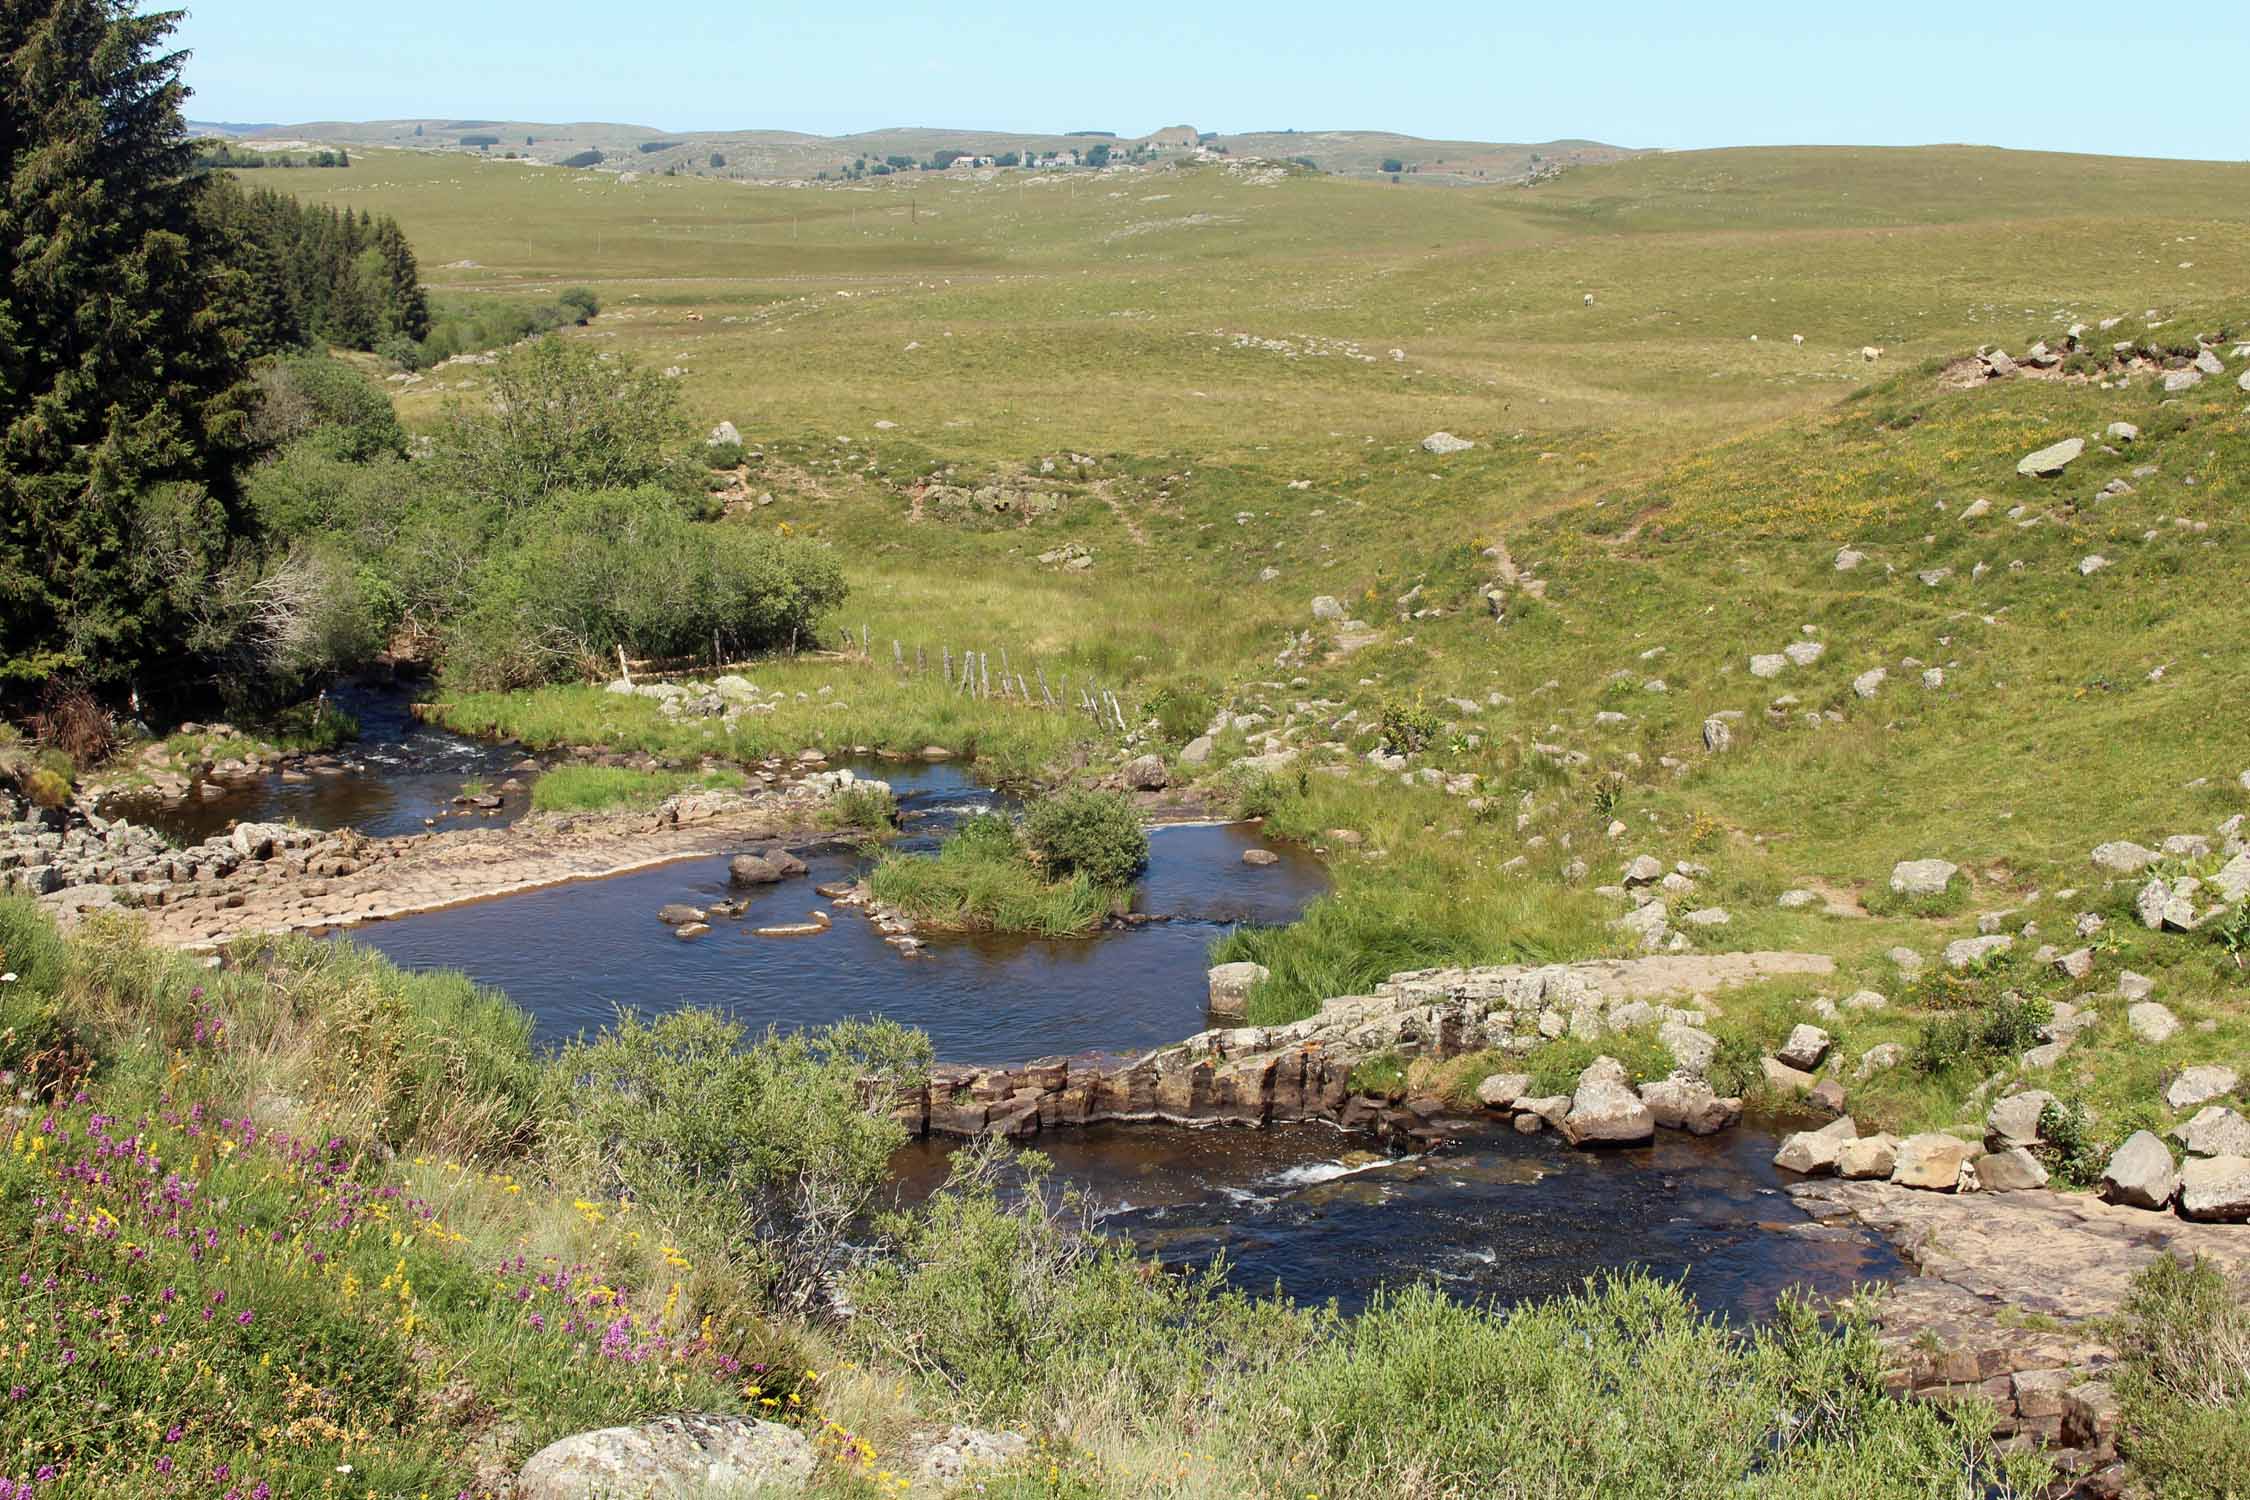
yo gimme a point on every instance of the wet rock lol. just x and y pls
(1684, 1101)
(2216, 1189)
(769, 868)
(688, 930)
(1260, 857)
(1931, 1161)
(673, 1458)
(2140, 1173)
(679, 914)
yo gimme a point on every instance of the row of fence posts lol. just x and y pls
(976, 679)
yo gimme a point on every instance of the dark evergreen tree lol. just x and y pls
(122, 388)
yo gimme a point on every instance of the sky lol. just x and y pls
(2067, 75)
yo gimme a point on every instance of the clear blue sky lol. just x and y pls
(2075, 75)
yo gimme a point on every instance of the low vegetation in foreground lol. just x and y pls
(597, 788)
(310, 1194)
(1064, 869)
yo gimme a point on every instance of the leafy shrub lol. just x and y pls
(302, 393)
(560, 418)
(1095, 834)
(579, 300)
(1975, 1040)
(861, 806)
(2068, 1146)
(1408, 728)
(2183, 1379)
(723, 455)
(1182, 713)
(772, 1145)
(982, 880)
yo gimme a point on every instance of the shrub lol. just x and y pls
(72, 722)
(560, 418)
(583, 159)
(1977, 1039)
(2183, 1379)
(580, 301)
(302, 393)
(982, 880)
(1384, 1074)
(1408, 728)
(1095, 834)
(2068, 1145)
(772, 1145)
(861, 806)
(723, 455)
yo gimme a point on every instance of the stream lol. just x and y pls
(1494, 1216)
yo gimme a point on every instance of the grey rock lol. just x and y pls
(2140, 1173)
(1906, 961)
(2123, 857)
(2132, 986)
(2123, 432)
(1922, 877)
(1147, 773)
(2215, 1131)
(673, 1458)
(1503, 1090)
(1868, 684)
(2013, 1170)
(2076, 964)
(1718, 736)
(679, 914)
(1692, 1048)
(2216, 1189)
(1783, 1079)
(1197, 751)
(1814, 1153)
(1847, 559)
(1804, 653)
(964, 1451)
(2233, 880)
(2014, 1121)
(2152, 1022)
(1932, 1161)
(2200, 1085)
(1968, 952)
(1644, 869)
(1605, 1109)
(1804, 1049)
(2176, 381)
(1769, 665)
(1230, 985)
(1685, 1102)
(2051, 460)
(1864, 1000)
(2091, 563)
(1445, 442)
(1868, 1156)
(1326, 607)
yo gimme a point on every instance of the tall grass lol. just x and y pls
(980, 880)
(595, 788)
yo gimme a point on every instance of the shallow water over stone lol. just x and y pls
(398, 774)
(1495, 1216)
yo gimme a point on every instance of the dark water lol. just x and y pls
(1495, 1217)
(396, 775)
(572, 954)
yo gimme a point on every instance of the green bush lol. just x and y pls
(1095, 834)
(982, 880)
(303, 393)
(861, 806)
(1408, 727)
(559, 417)
(773, 1146)
(587, 574)
(597, 788)
(2183, 1380)
(1976, 1040)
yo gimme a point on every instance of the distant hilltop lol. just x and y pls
(783, 155)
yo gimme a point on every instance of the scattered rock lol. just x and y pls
(1922, 877)
(2140, 1173)
(673, 1458)
(2051, 460)
(1605, 1110)
(1868, 1156)
(1230, 986)
(2014, 1121)
(1147, 773)
(2014, 1170)
(2215, 1131)
(1813, 1153)
(2216, 1189)
(1969, 952)
(2152, 1022)
(1445, 442)
(1804, 1049)
(1931, 1161)
(2123, 857)
(2200, 1085)
(962, 1451)
(1503, 1090)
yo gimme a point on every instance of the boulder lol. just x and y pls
(1147, 773)
(2132, 986)
(1230, 986)
(1326, 607)
(1868, 684)
(2122, 432)
(1804, 1049)
(1922, 877)
(1260, 857)
(672, 1458)
(1503, 1090)
(2140, 1173)
(963, 1451)
(2200, 1085)
(1445, 442)
(1879, 1058)
(1814, 1153)
(2014, 1121)
(2051, 460)
(1804, 653)
(1848, 558)
(1931, 1161)
(1605, 1110)
(1647, 924)
(2013, 1170)
(2123, 857)
(1718, 737)
(2152, 1022)
(769, 868)
(1684, 1101)
(1867, 1156)
(679, 914)
(1967, 953)
(1197, 751)
(2233, 880)
(2215, 1131)
(1772, 665)
(1783, 1079)
(1691, 1046)
(2216, 1189)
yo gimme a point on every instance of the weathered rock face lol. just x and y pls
(1147, 773)
(2140, 1173)
(2215, 1131)
(2013, 1170)
(1230, 986)
(2014, 1121)
(1814, 1153)
(1931, 1161)
(2200, 1085)
(2216, 1189)
(673, 1458)
(1868, 1156)
(1922, 877)
(1605, 1110)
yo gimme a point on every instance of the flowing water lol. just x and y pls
(1494, 1216)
